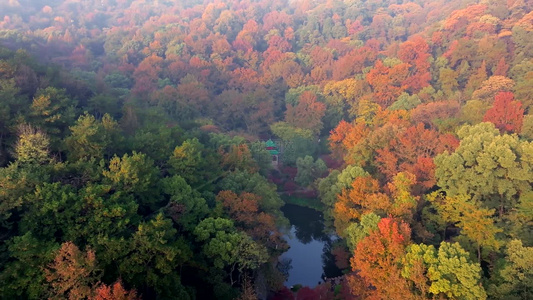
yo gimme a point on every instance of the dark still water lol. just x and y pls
(309, 259)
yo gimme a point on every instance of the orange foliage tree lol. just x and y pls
(244, 209)
(346, 136)
(73, 274)
(387, 83)
(363, 196)
(307, 114)
(238, 158)
(377, 260)
(416, 53)
(114, 292)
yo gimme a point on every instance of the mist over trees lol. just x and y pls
(136, 157)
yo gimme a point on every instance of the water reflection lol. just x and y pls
(309, 258)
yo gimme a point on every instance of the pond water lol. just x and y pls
(308, 259)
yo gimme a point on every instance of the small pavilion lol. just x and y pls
(273, 149)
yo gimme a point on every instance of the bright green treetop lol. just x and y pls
(447, 272)
(309, 170)
(517, 274)
(488, 166)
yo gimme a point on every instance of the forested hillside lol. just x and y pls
(133, 162)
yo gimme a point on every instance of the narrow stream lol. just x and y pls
(309, 259)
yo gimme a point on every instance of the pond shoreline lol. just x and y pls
(309, 257)
(312, 203)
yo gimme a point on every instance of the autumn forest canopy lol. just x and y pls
(134, 161)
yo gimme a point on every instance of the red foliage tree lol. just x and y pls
(416, 53)
(276, 19)
(506, 114)
(146, 75)
(321, 57)
(290, 187)
(413, 151)
(306, 293)
(501, 68)
(283, 294)
(431, 113)
(244, 78)
(353, 62)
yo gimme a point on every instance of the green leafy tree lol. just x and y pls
(13, 186)
(287, 132)
(23, 275)
(476, 79)
(261, 156)
(292, 95)
(52, 212)
(524, 92)
(10, 105)
(156, 141)
(328, 191)
(102, 104)
(117, 80)
(92, 138)
(403, 202)
(477, 226)
(297, 147)
(448, 80)
(447, 272)
(488, 166)
(32, 146)
(59, 212)
(103, 213)
(405, 102)
(358, 231)
(473, 111)
(309, 170)
(186, 206)
(520, 220)
(16, 183)
(517, 274)
(86, 140)
(331, 187)
(228, 247)
(113, 135)
(153, 257)
(476, 222)
(52, 111)
(135, 174)
(296, 142)
(527, 128)
(192, 161)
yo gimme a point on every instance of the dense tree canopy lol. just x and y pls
(134, 161)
